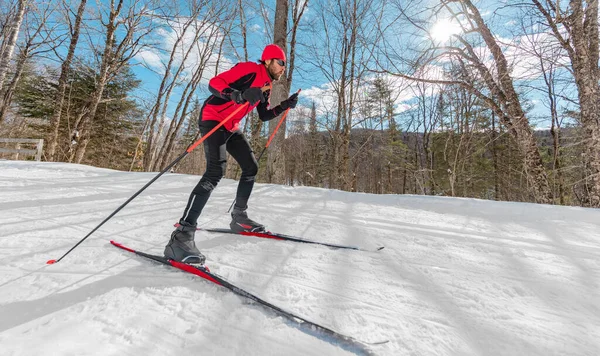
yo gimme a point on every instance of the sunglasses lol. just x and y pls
(280, 62)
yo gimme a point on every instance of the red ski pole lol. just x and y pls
(269, 141)
(188, 150)
(275, 131)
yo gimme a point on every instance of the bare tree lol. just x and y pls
(314, 154)
(209, 33)
(500, 93)
(280, 91)
(428, 115)
(342, 49)
(281, 88)
(74, 31)
(552, 66)
(11, 32)
(39, 38)
(135, 23)
(575, 26)
(173, 68)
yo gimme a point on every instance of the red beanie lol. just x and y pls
(272, 51)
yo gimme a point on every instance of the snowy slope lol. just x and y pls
(457, 276)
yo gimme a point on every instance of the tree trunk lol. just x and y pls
(164, 91)
(86, 124)
(280, 91)
(313, 156)
(512, 114)
(344, 164)
(12, 32)
(585, 39)
(494, 149)
(582, 45)
(163, 154)
(179, 118)
(52, 136)
(6, 99)
(108, 60)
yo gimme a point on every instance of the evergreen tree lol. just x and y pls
(117, 120)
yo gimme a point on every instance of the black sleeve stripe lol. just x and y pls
(244, 82)
(241, 84)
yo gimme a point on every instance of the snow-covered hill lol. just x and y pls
(457, 276)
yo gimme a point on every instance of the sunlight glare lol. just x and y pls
(443, 29)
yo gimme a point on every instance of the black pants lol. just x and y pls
(216, 147)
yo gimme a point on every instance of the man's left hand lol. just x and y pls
(290, 102)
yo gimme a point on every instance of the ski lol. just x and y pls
(277, 236)
(309, 326)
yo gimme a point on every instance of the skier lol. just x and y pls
(245, 82)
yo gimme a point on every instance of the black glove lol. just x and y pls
(290, 102)
(251, 95)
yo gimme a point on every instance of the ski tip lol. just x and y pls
(380, 248)
(51, 262)
(121, 246)
(379, 342)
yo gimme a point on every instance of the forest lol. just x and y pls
(462, 98)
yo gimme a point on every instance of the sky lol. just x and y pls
(316, 87)
(457, 276)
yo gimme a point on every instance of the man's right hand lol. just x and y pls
(251, 95)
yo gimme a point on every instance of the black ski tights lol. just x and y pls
(216, 147)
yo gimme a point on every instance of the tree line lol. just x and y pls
(503, 106)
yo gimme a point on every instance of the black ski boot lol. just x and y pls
(181, 247)
(240, 221)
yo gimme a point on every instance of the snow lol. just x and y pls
(456, 277)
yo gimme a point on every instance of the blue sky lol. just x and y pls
(258, 38)
(502, 19)
(314, 84)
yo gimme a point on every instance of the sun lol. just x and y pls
(442, 30)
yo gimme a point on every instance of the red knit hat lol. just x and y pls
(272, 51)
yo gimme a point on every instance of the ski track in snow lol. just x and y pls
(457, 277)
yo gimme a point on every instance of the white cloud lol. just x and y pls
(403, 91)
(323, 96)
(523, 55)
(149, 58)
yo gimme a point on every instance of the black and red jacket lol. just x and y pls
(242, 76)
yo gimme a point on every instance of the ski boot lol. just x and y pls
(240, 221)
(181, 246)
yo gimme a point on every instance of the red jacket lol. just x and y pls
(242, 76)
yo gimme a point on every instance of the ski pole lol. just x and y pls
(275, 131)
(188, 150)
(268, 142)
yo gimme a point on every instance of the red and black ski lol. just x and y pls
(277, 236)
(344, 341)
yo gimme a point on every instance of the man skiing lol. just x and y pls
(246, 82)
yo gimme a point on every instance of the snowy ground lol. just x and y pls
(457, 276)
